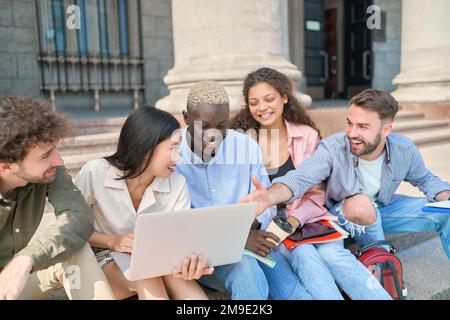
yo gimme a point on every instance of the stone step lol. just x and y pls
(408, 115)
(93, 143)
(73, 163)
(426, 271)
(99, 125)
(420, 125)
(89, 146)
(408, 240)
(429, 137)
(399, 242)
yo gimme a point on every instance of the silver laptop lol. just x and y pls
(163, 239)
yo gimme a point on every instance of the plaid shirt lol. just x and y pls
(335, 164)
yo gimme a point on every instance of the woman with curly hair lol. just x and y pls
(288, 136)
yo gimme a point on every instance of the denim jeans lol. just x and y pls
(403, 215)
(324, 267)
(250, 279)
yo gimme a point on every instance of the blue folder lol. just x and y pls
(428, 209)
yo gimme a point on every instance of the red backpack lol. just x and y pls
(385, 266)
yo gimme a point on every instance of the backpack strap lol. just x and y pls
(391, 266)
(376, 244)
(382, 267)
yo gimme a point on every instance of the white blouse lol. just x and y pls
(111, 202)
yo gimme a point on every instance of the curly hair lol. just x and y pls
(25, 122)
(293, 110)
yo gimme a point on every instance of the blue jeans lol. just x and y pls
(250, 279)
(403, 215)
(321, 266)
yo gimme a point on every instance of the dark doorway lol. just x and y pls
(321, 50)
(358, 47)
(331, 39)
(315, 55)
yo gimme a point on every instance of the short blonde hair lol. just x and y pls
(206, 92)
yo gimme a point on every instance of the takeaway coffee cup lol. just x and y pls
(281, 228)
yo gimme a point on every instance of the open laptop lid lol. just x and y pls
(163, 239)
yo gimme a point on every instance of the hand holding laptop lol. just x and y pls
(193, 267)
(163, 239)
(123, 243)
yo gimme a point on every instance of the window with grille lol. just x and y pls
(103, 53)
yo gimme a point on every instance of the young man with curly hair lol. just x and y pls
(32, 170)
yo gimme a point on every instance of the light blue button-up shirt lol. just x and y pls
(227, 177)
(334, 163)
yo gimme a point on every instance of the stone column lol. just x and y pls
(424, 79)
(223, 40)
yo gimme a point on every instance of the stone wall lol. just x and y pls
(157, 45)
(19, 70)
(387, 54)
(19, 51)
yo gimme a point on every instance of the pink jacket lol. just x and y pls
(302, 143)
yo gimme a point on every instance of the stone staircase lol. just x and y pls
(420, 130)
(97, 138)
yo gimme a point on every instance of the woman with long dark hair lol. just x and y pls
(287, 136)
(139, 178)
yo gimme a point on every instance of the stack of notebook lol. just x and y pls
(316, 232)
(437, 207)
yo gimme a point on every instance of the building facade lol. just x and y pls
(116, 59)
(113, 54)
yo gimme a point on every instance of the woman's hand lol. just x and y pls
(193, 268)
(294, 222)
(123, 243)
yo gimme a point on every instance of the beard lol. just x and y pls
(46, 177)
(368, 147)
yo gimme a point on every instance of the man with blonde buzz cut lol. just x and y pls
(218, 164)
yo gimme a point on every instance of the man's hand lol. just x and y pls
(257, 242)
(193, 268)
(123, 243)
(14, 277)
(265, 198)
(442, 196)
(259, 195)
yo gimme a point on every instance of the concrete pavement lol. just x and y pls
(426, 267)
